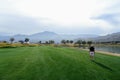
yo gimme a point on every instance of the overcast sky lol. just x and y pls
(60, 16)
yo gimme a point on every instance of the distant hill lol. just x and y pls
(47, 35)
(44, 36)
(109, 37)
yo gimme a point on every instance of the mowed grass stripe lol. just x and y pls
(51, 63)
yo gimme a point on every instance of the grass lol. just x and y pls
(56, 63)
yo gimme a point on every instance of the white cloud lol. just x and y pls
(64, 13)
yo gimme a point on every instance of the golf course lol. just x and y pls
(56, 63)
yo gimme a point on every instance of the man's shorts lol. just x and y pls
(92, 53)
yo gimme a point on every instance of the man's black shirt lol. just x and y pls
(92, 49)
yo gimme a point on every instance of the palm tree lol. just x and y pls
(27, 40)
(79, 42)
(40, 42)
(83, 42)
(11, 40)
(63, 41)
(51, 41)
(71, 41)
(89, 43)
(46, 42)
(67, 41)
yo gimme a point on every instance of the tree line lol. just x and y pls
(81, 43)
(26, 40)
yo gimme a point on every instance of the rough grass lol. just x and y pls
(56, 63)
(14, 45)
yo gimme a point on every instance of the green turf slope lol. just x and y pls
(56, 63)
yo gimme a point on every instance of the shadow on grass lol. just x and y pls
(102, 65)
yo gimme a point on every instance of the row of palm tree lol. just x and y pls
(47, 42)
(80, 42)
(67, 41)
(83, 43)
(21, 41)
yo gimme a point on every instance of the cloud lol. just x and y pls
(66, 12)
(19, 24)
(111, 14)
(62, 16)
(110, 18)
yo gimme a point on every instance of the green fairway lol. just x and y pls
(56, 63)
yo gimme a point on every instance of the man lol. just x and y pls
(92, 52)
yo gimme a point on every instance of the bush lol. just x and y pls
(76, 45)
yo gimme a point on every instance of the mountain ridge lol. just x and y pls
(48, 35)
(108, 38)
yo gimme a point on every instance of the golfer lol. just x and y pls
(92, 52)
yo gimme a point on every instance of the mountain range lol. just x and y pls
(47, 35)
(108, 38)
